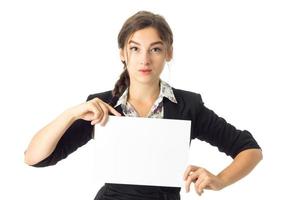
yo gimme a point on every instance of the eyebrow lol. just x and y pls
(153, 43)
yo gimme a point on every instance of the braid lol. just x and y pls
(122, 84)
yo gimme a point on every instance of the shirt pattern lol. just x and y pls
(157, 109)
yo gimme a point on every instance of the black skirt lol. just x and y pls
(111, 191)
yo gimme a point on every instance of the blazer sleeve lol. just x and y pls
(78, 134)
(216, 131)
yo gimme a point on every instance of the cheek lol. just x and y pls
(131, 69)
(160, 63)
(133, 60)
(132, 66)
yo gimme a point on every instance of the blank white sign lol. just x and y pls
(142, 151)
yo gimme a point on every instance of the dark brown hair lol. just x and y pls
(138, 21)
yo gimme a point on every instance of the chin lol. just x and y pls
(147, 80)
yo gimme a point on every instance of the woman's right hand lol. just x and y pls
(94, 110)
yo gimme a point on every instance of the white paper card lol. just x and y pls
(142, 151)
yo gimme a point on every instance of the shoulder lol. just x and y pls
(187, 96)
(104, 96)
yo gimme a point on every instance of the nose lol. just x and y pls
(145, 58)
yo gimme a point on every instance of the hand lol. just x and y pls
(94, 110)
(202, 179)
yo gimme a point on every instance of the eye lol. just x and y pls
(156, 50)
(133, 48)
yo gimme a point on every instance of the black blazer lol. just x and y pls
(206, 126)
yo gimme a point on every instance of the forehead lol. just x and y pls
(145, 36)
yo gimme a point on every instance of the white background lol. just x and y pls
(242, 56)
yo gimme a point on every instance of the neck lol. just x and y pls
(144, 92)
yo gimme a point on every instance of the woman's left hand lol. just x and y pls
(202, 179)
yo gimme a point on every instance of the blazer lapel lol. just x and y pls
(113, 102)
(172, 110)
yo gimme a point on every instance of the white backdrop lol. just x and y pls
(242, 56)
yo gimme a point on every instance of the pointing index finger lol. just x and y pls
(112, 110)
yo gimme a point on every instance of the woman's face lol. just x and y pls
(145, 55)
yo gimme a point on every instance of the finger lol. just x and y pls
(198, 189)
(97, 114)
(189, 169)
(105, 114)
(112, 110)
(187, 185)
(200, 192)
(100, 113)
(96, 121)
(189, 180)
(187, 172)
(204, 183)
(96, 103)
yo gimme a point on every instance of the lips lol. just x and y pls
(145, 70)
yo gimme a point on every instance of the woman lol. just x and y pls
(145, 43)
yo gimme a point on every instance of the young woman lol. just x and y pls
(145, 43)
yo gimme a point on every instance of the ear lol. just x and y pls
(169, 54)
(122, 53)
